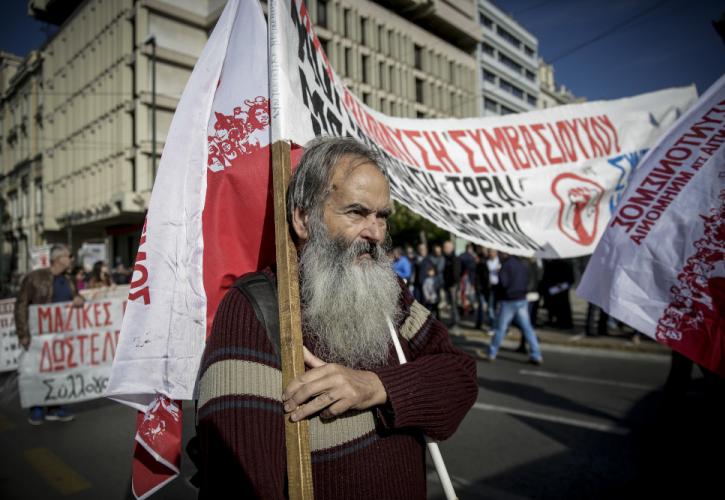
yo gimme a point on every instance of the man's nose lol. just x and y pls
(374, 229)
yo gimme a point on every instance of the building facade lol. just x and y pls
(21, 179)
(551, 94)
(508, 60)
(95, 157)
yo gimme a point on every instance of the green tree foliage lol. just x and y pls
(406, 227)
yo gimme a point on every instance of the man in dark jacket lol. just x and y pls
(43, 286)
(511, 294)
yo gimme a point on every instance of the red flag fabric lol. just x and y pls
(157, 451)
(660, 266)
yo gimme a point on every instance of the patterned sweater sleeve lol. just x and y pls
(437, 387)
(240, 418)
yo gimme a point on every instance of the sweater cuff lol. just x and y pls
(405, 401)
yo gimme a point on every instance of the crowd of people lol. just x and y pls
(470, 286)
(100, 276)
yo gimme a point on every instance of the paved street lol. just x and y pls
(588, 423)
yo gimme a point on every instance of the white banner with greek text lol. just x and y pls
(9, 348)
(71, 351)
(540, 183)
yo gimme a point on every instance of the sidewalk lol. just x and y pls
(574, 337)
(571, 338)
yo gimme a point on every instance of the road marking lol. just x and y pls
(55, 472)
(588, 380)
(586, 424)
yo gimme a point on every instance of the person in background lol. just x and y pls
(431, 291)
(451, 277)
(43, 286)
(483, 286)
(467, 284)
(120, 274)
(556, 281)
(79, 275)
(401, 264)
(494, 264)
(423, 262)
(100, 277)
(511, 295)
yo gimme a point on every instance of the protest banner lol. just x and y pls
(540, 183)
(71, 351)
(90, 253)
(40, 257)
(9, 348)
(660, 266)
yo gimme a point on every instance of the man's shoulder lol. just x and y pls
(38, 275)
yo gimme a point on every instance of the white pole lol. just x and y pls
(435, 453)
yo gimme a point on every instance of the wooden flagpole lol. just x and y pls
(299, 465)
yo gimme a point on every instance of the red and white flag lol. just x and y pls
(207, 224)
(660, 266)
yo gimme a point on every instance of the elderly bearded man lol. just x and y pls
(368, 414)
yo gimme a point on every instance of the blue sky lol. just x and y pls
(671, 43)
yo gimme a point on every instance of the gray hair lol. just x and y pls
(57, 250)
(310, 182)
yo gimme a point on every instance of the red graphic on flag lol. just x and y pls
(579, 207)
(243, 132)
(693, 323)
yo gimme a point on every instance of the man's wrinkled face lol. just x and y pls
(357, 209)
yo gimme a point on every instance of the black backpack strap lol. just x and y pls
(261, 292)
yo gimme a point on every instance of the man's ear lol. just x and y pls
(300, 224)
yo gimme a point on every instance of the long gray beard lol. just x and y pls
(345, 304)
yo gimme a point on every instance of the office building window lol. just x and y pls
(487, 49)
(506, 111)
(381, 33)
(486, 21)
(530, 76)
(529, 51)
(511, 89)
(490, 105)
(531, 99)
(418, 55)
(489, 77)
(367, 99)
(346, 23)
(419, 90)
(508, 37)
(322, 13)
(347, 63)
(419, 114)
(364, 68)
(510, 63)
(364, 30)
(381, 79)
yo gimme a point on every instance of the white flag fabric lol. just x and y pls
(206, 221)
(207, 225)
(660, 266)
(541, 183)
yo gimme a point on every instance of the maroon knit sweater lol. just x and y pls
(373, 454)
